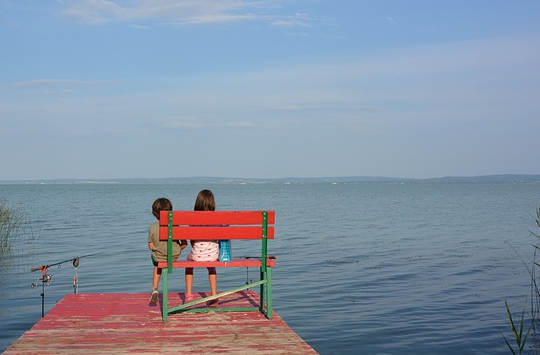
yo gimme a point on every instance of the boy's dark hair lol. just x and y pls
(205, 201)
(161, 204)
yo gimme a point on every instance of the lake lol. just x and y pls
(372, 268)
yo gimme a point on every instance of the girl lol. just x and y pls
(203, 250)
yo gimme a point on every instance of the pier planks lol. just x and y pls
(127, 323)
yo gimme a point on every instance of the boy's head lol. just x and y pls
(205, 201)
(161, 204)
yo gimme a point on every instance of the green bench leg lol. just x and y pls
(269, 293)
(165, 294)
(262, 291)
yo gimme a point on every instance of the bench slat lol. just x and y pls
(232, 263)
(208, 218)
(215, 233)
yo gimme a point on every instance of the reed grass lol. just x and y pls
(10, 222)
(517, 332)
(520, 339)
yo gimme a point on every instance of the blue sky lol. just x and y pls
(160, 88)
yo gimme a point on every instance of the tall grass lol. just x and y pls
(10, 222)
(519, 333)
(17, 245)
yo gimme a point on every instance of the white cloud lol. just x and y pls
(240, 124)
(198, 122)
(139, 27)
(183, 12)
(296, 20)
(47, 82)
(212, 18)
(391, 19)
(323, 104)
(403, 111)
(467, 79)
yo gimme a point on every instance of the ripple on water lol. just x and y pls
(361, 268)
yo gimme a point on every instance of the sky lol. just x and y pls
(268, 88)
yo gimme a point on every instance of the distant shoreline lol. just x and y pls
(501, 178)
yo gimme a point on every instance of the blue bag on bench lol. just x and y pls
(225, 250)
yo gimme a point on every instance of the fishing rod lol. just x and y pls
(47, 278)
(75, 261)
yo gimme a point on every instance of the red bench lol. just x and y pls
(219, 225)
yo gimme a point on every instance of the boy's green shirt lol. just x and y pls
(160, 246)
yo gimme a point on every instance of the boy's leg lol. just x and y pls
(155, 279)
(155, 284)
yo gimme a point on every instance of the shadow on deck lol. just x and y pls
(128, 323)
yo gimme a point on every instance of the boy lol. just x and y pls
(159, 247)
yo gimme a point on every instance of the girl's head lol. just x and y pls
(205, 201)
(161, 204)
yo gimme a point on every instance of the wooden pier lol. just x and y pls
(128, 323)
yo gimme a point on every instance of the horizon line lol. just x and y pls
(273, 178)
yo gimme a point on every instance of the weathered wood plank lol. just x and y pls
(214, 233)
(127, 323)
(208, 218)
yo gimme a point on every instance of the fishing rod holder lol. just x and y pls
(44, 279)
(47, 278)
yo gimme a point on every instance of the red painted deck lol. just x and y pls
(127, 323)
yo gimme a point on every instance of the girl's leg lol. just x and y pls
(155, 278)
(212, 278)
(189, 281)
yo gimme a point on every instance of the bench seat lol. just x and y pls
(232, 263)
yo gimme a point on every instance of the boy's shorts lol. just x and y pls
(154, 262)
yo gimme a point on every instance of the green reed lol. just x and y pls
(520, 338)
(517, 332)
(10, 222)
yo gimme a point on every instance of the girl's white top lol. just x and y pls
(204, 251)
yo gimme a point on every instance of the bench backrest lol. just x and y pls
(215, 225)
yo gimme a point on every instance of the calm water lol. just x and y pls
(363, 268)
